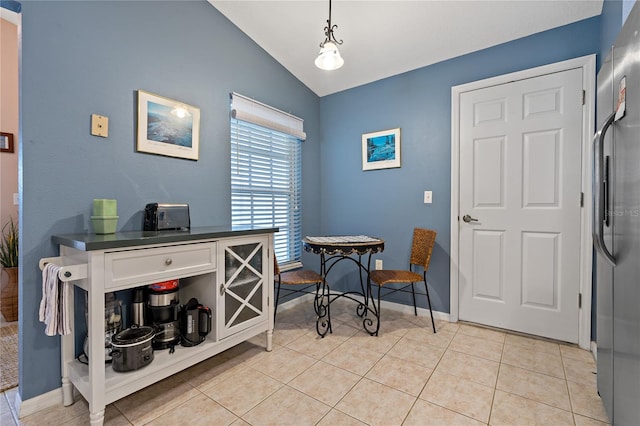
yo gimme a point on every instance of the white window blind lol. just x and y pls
(252, 111)
(266, 181)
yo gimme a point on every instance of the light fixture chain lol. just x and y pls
(328, 31)
(329, 57)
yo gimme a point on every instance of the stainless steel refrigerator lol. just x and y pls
(616, 227)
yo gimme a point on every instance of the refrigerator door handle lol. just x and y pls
(598, 189)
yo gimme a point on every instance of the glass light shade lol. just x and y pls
(329, 57)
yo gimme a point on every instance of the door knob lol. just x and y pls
(468, 218)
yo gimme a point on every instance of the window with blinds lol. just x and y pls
(266, 183)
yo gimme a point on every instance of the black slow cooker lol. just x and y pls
(131, 348)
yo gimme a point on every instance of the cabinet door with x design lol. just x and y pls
(243, 289)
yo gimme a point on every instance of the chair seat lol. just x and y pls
(421, 250)
(300, 277)
(387, 276)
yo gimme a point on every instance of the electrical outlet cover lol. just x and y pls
(99, 125)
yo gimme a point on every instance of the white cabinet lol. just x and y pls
(233, 274)
(243, 286)
(135, 267)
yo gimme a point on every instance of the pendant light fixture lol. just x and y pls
(329, 57)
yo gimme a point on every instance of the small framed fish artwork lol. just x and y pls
(381, 150)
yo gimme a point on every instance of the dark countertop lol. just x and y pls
(89, 242)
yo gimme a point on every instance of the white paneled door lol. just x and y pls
(520, 190)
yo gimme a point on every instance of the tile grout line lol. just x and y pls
(333, 407)
(566, 384)
(495, 386)
(362, 376)
(446, 348)
(564, 379)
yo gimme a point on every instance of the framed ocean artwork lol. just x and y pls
(381, 150)
(167, 127)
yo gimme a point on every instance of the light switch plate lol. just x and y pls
(99, 125)
(428, 197)
(378, 264)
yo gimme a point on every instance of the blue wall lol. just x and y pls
(611, 23)
(389, 203)
(627, 5)
(614, 14)
(80, 58)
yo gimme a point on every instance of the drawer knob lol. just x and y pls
(168, 262)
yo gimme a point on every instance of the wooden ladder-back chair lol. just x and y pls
(421, 249)
(300, 277)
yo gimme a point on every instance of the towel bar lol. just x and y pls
(67, 272)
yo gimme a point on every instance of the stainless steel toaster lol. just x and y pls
(162, 217)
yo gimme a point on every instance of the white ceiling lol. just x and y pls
(383, 38)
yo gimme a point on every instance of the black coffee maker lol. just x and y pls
(195, 323)
(163, 308)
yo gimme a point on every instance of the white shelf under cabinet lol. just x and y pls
(118, 384)
(130, 262)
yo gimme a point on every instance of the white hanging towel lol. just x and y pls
(64, 326)
(53, 306)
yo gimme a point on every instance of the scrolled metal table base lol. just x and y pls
(370, 316)
(332, 251)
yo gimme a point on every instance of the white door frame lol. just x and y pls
(588, 66)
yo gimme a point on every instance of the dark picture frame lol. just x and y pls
(6, 142)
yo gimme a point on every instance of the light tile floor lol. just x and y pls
(462, 375)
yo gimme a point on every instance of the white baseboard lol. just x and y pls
(300, 300)
(594, 350)
(392, 306)
(38, 403)
(408, 309)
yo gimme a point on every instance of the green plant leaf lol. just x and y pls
(9, 245)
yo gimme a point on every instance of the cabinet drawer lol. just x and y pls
(146, 266)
